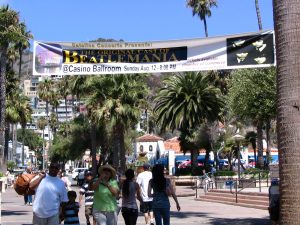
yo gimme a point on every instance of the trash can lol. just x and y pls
(229, 184)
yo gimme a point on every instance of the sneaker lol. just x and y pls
(30, 203)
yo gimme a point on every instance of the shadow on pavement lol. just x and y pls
(223, 221)
(242, 221)
(13, 213)
(187, 214)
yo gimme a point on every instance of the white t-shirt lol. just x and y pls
(48, 196)
(143, 181)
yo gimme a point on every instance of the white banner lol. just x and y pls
(217, 53)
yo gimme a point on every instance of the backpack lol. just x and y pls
(21, 184)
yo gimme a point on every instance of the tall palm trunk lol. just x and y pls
(23, 146)
(14, 140)
(205, 27)
(93, 150)
(3, 59)
(7, 130)
(260, 152)
(20, 64)
(122, 149)
(258, 15)
(287, 31)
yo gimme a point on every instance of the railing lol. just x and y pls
(239, 184)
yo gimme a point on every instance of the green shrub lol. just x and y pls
(1, 174)
(11, 165)
(225, 173)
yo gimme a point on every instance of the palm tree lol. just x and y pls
(64, 91)
(9, 33)
(119, 97)
(201, 8)
(186, 102)
(45, 92)
(41, 124)
(258, 15)
(287, 32)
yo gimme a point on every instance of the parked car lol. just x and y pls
(187, 163)
(76, 171)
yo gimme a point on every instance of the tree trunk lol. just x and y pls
(20, 63)
(287, 31)
(205, 27)
(260, 154)
(268, 127)
(194, 160)
(122, 149)
(116, 148)
(258, 15)
(14, 141)
(93, 150)
(7, 130)
(253, 143)
(23, 146)
(3, 59)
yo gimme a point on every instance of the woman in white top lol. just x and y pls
(130, 189)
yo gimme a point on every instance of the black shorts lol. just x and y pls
(146, 207)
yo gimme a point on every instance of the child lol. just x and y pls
(70, 210)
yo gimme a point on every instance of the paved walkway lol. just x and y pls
(193, 212)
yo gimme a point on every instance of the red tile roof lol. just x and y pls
(149, 138)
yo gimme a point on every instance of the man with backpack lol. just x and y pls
(50, 194)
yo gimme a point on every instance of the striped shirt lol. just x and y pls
(71, 214)
(88, 194)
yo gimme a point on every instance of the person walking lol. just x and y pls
(65, 179)
(70, 210)
(130, 191)
(50, 194)
(88, 194)
(27, 197)
(106, 190)
(146, 205)
(161, 187)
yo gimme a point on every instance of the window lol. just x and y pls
(150, 148)
(141, 148)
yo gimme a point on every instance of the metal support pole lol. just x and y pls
(239, 161)
(236, 192)
(259, 180)
(196, 188)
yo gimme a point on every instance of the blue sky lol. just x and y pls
(133, 20)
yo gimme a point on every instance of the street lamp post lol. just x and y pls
(238, 138)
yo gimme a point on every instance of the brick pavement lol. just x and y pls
(193, 212)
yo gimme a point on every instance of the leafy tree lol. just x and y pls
(252, 96)
(10, 33)
(30, 139)
(201, 8)
(185, 102)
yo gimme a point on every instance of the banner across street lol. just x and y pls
(249, 50)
